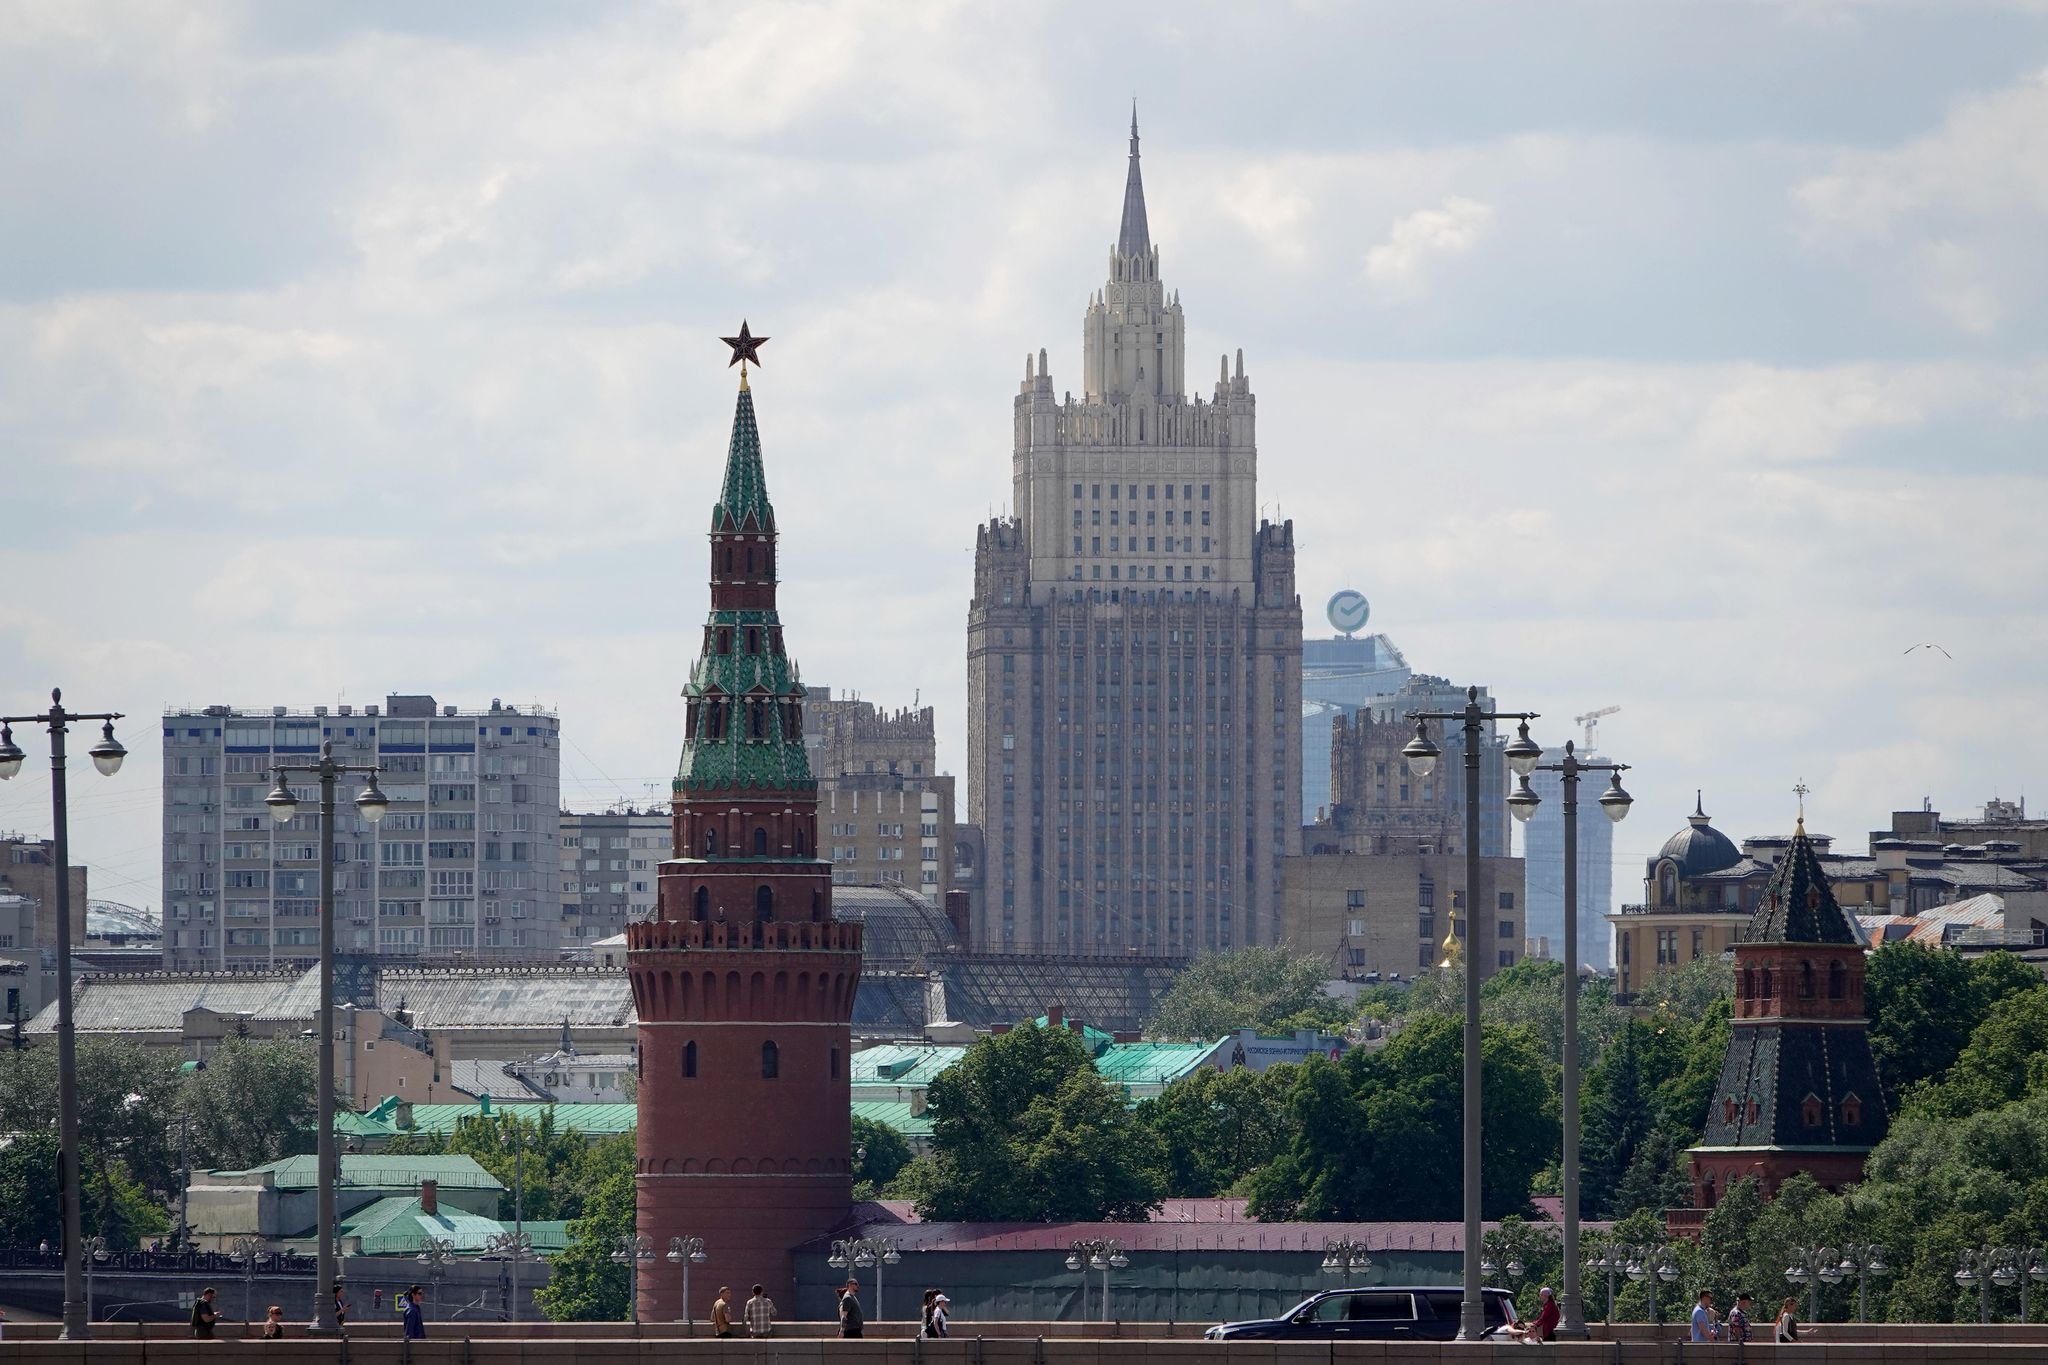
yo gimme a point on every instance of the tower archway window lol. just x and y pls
(1838, 980)
(764, 904)
(753, 639)
(771, 1060)
(760, 842)
(710, 843)
(750, 561)
(802, 845)
(1767, 983)
(1810, 1111)
(835, 1063)
(725, 639)
(728, 559)
(817, 907)
(1806, 981)
(689, 1060)
(700, 904)
(757, 718)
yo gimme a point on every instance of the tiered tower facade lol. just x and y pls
(743, 981)
(1134, 649)
(1799, 1090)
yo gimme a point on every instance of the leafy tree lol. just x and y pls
(1683, 993)
(1377, 1135)
(125, 1099)
(1619, 1117)
(879, 1154)
(1925, 1003)
(2006, 1059)
(585, 1284)
(550, 1165)
(1216, 1127)
(29, 1206)
(1684, 1098)
(1539, 1248)
(1657, 1177)
(255, 1101)
(1024, 1130)
(1259, 987)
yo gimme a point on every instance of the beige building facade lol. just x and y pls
(1386, 916)
(1134, 649)
(28, 867)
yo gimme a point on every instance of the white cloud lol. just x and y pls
(1399, 267)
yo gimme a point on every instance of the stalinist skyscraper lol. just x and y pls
(1133, 649)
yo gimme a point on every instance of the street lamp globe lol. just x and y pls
(1118, 1260)
(1523, 752)
(1523, 801)
(108, 753)
(892, 1256)
(1074, 1262)
(1667, 1272)
(11, 756)
(283, 805)
(1421, 751)
(1615, 801)
(2005, 1277)
(371, 803)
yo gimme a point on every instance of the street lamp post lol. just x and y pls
(95, 1252)
(1345, 1257)
(1105, 1254)
(1610, 1262)
(1864, 1259)
(511, 1248)
(2003, 1267)
(371, 805)
(1514, 1269)
(629, 1251)
(106, 756)
(1615, 803)
(1814, 1267)
(686, 1252)
(1646, 1265)
(853, 1253)
(244, 1253)
(435, 1253)
(1422, 753)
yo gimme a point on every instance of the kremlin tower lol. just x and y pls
(743, 981)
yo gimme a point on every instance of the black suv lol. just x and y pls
(1381, 1313)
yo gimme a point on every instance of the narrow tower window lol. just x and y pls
(771, 1061)
(764, 904)
(689, 1060)
(700, 904)
(760, 842)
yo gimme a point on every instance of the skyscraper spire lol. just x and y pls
(1134, 238)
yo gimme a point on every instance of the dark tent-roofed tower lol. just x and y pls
(1798, 1090)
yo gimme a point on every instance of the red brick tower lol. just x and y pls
(743, 981)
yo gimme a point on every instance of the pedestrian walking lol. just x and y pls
(924, 1313)
(851, 1319)
(415, 1316)
(1788, 1321)
(1543, 1326)
(377, 1299)
(942, 1314)
(721, 1312)
(273, 1323)
(760, 1314)
(340, 1305)
(1736, 1325)
(204, 1314)
(1704, 1325)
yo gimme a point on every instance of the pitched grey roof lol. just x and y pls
(482, 1078)
(155, 1002)
(509, 997)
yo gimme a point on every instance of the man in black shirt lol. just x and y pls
(204, 1314)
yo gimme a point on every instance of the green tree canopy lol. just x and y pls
(1024, 1130)
(585, 1284)
(256, 1100)
(879, 1154)
(1925, 1003)
(1216, 1127)
(126, 1155)
(1260, 988)
(1377, 1135)
(2006, 1059)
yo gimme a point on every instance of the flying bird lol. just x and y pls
(1944, 653)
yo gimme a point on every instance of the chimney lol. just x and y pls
(1055, 1016)
(430, 1198)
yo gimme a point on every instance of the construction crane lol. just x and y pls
(1591, 720)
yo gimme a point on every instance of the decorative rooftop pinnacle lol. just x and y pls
(1133, 237)
(1798, 904)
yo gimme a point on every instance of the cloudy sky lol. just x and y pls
(1686, 357)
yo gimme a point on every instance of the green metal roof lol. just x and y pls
(591, 1120)
(398, 1227)
(548, 1237)
(380, 1172)
(1134, 1064)
(894, 1114)
(911, 1064)
(370, 1125)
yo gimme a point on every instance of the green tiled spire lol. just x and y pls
(736, 678)
(746, 485)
